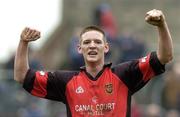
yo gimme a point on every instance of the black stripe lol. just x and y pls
(29, 80)
(157, 67)
(128, 112)
(129, 73)
(56, 84)
(139, 86)
(68, 111)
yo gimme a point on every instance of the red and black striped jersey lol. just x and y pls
(106, 95)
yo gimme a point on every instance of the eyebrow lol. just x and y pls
(89, 39)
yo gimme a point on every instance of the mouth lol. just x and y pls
(92, 53)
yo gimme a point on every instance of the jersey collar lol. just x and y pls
(98, 75)
(83, 68)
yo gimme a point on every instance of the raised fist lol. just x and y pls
(155, 17)
(28, 35)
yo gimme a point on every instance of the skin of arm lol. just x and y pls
(165, 46)
(21, 64)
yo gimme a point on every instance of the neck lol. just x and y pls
(94, 68)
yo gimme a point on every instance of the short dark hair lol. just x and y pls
(93, 27)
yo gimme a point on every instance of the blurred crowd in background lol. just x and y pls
(160, 98)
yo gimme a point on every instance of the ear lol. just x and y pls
(79, 49)
(106, 50)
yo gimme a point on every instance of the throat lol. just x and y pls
(93, 74)
(94, 70)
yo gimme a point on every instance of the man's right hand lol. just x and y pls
(28, 35)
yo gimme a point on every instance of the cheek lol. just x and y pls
(83, 49)
(102, 48)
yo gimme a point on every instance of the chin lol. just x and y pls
(92, 59)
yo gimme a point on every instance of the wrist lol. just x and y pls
(163, 24)
(23, 41)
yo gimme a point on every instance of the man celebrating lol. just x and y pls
(97, 89)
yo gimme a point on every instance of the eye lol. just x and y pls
(86, 42)
(98, 41)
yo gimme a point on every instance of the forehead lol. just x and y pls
(92, 34)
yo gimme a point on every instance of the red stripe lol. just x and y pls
(40, 83)
(145, 68)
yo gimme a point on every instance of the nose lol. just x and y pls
(92, 44)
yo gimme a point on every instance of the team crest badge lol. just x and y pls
(109, 88)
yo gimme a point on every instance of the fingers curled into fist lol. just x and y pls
(155, 17)
(29, 34)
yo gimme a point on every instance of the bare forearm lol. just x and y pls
(165, 47)
(21, 62)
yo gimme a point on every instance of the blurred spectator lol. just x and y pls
(153, 110)
(22, 112)
(33, 63)
(10, 63)
(9, 66)
(135, 109)
(34, 111)
(18, 98)
(131, 47)
(104, 18)
(171, 92)
(75, 59)
(172, 113)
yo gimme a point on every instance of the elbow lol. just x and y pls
(18, 78)
(168, 59)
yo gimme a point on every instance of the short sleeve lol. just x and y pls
(49, 85)
(136, 73)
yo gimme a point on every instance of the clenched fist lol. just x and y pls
(155, 17)
(28, 35)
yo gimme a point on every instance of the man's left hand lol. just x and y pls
(155, 17)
